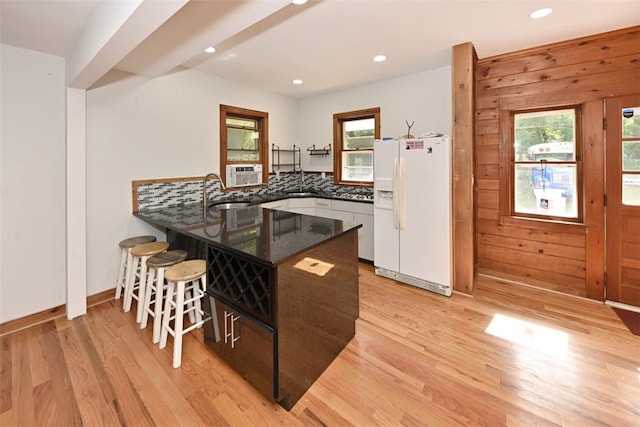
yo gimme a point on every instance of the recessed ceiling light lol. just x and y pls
(297, 81)
(299, 1)
(379, 58)
(540, 13)
(210, 49)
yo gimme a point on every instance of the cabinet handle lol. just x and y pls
(234, 338)
(230, 329)
(214, 319)
(227, 333)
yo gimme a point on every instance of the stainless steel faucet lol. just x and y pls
(204, 192)
(301, 180)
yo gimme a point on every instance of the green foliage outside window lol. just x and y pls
(541, 127)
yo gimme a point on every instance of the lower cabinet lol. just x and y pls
(282, 204)
(365, 235)
(358, 212)
(304, 205)
(245, 344)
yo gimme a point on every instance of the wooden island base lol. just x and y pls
(316, 306)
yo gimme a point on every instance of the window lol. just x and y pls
(353, 135)
(631, 156)
(244, 139)
(546, 172)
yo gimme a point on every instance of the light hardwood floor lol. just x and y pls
(418, 359)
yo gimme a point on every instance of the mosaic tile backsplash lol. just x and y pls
(181, 193)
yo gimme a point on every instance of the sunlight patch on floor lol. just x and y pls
(530, 335)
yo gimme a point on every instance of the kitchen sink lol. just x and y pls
(306, 193)
(229, 205)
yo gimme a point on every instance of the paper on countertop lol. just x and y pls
(314, 266)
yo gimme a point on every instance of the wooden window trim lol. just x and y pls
(338, 120)
(507, 216)
(263, 154)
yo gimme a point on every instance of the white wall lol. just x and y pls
(423, 98)
(161, 128)
(32, 178)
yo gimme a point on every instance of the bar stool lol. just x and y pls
(155, 288)
(125, 259)
(187, 277)
(138, 274)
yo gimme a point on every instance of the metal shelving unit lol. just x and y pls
(286, 158)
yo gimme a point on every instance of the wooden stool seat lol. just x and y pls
(125, 259)
(167, 259)
(186, 287)
(155, 288)
(132, 242)
(187, 270)
(137, 276)
(149, 249)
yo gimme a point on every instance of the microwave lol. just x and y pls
(244, 175)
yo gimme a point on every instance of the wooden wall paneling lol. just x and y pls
(488, 139)
(559, 256)
(487, 199)
(464, 60)
(534, 261)
(594, 210)
(487, 184)
(542, 279)
(569, 237)
(487, 113)
(504, 162)
(532, 246)
(487, 154)
(484, 213)
(487, 126)
(599, 47)
(485, 100)
(487, 171)
(573, 71)
(590, 87)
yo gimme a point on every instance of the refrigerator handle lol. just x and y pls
(394, 186)
(400, 193)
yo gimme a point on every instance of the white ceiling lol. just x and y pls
(329, 44)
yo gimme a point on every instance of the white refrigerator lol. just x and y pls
(412, 212)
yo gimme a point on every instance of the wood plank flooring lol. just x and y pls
(418, 359)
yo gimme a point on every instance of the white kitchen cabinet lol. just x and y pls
(365, 235)
(281, 205)
(356, 212)
(323, 208)
(304, 205)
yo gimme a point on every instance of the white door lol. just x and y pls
(386, 245)
(425, 240)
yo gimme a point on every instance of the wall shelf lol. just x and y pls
(313, 151)
(288, 158)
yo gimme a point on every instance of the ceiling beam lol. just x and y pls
(196, 26)
(114, 30)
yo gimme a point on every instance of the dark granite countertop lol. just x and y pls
(266, 235)
(304, 193)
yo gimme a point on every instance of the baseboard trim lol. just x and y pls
(43, 316)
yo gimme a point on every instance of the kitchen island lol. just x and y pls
(282, 287)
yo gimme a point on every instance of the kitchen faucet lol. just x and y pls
(204, 192)
(301, 180)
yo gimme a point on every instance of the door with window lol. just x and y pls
(623, 199)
